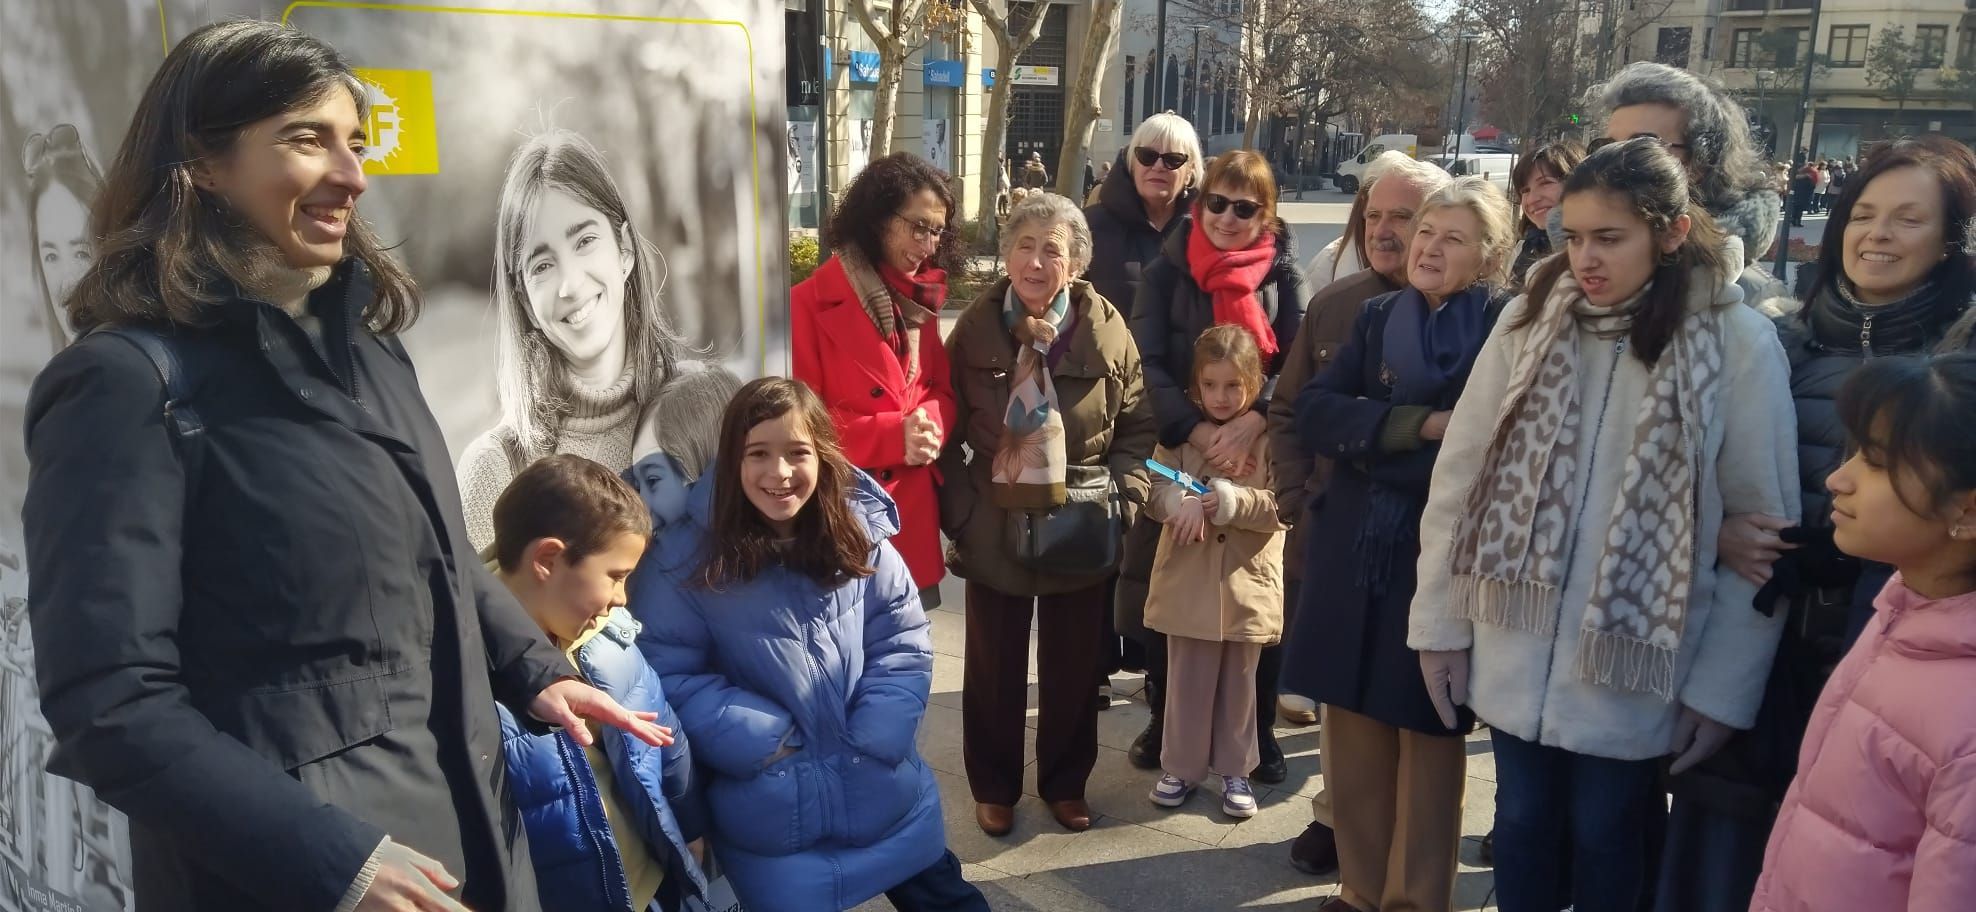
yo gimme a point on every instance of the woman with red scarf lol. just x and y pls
(865, 334)
(1232, 262)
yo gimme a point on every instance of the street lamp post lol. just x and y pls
(1194, 80)
(1797, 135)
(1461, 112)
(1159, 62)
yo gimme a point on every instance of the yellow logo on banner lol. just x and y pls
(404, 135)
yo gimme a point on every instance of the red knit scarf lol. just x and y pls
(1232, 277)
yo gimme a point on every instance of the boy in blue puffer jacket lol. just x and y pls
(617, 824)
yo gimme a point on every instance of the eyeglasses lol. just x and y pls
(1174, 160)
(1244, 209)
(1604, 141)
(923, 231)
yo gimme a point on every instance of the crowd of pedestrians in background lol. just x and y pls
(1567, 463)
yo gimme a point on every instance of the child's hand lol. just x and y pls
(1189, 523)
(1210, 503)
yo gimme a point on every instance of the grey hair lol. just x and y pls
(1174, 133)
(1725, 166)
(1479, 195)
(1424, 176)
(1051, 210)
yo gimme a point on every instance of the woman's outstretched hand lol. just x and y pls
(569, 701)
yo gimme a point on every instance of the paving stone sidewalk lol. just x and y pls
(1136, 856)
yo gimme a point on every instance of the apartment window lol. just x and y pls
(1848, 46)
(1708, 44)
(1786, 54)
(1742, 49)
(1965, 48)
(1931, 44)
(1671, 47)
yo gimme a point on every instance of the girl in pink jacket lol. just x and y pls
(1882, 815)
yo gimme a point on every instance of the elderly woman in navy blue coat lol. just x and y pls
(1380, 409)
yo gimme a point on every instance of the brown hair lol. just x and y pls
(831, 544)
(571, 499)
(1354, 236)
(1558, 159)
(1244, 170)
(164, 243)
(1235, 345)
(1954, 167)
(1642, 172)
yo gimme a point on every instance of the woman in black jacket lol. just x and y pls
(1894, 277)
(1231, 261)
(1141, 202)
(261, 632)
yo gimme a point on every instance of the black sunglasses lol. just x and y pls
(1604, 141)
(1174, 160)
(1244, 209)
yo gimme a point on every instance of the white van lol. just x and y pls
(1351, 171)
(1495, 166)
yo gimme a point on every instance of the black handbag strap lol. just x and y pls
(187, 429)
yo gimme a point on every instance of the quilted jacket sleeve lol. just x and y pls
(734, 730)
(1945, 860)
(890, 697)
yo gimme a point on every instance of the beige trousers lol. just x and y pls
(1397, 807)
(1210, 709)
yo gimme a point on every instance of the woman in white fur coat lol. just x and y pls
(1568, 589)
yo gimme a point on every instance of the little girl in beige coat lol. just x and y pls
(1217, 586)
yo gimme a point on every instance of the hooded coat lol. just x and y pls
(1124, 242)
(803, 701)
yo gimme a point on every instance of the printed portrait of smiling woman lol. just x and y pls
(584, 344)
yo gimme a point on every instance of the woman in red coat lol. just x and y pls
(865, 330)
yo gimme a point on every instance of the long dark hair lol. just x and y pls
(534, 387)
(831, 544)
(164, 242)
(1911, 416)
(875, 196)
(1643, 172)
(1954, 166)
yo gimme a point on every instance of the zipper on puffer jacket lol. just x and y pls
(577, 770)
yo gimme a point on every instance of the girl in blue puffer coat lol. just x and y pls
(791, 641)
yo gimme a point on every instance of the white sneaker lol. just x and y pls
(1237, 799)
(1171, 791)
(1296, 710)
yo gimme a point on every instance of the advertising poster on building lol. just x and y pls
(492, 122)
(939, 149)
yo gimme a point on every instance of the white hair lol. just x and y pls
(1424, 176)
(1480, 196)
(1051, 210)
(1171, 132)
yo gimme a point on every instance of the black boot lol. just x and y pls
(1271, 768)
(1145, 752)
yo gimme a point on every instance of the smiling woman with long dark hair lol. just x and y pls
(260, 631)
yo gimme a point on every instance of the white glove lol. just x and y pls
(1446, 674)
(1696, 738)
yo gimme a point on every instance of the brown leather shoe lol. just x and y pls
(1074, 815)
(995, 819)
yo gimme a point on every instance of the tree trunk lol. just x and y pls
(994, 135)
(1099, 44)
(885, 108)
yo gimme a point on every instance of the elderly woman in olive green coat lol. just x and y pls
(1042, 345)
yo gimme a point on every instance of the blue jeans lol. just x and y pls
(1546, 796)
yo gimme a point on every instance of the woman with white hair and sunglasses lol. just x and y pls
(1140, 203)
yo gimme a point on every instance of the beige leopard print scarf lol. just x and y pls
(1512, 545)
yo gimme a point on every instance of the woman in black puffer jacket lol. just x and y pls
(1913, 201)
